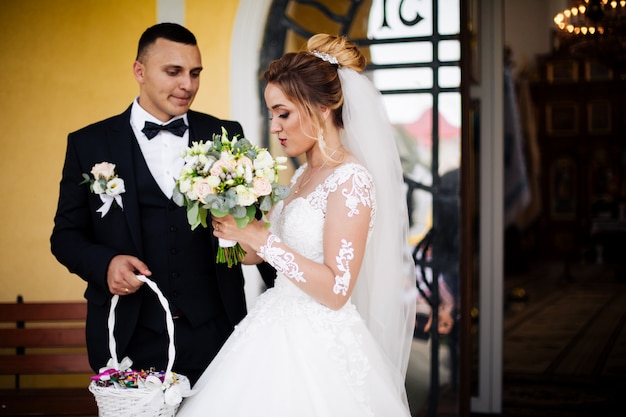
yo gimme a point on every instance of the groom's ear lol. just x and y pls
(138, 71)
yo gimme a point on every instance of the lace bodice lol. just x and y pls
(300, 223)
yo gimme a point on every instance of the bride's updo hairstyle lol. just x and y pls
(309, 78)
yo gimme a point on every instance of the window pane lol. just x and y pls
(449, 132)
(449, 76)
(403, 78)
(412, 52)
(449, 51)
(406, 108)
(449, 17)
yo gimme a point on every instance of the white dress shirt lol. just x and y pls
(161, 153)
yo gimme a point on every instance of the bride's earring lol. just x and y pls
(320, 139)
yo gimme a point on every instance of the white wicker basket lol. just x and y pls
(160, 399)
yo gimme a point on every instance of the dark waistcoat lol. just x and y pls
(181, 260)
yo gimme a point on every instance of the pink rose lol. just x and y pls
(202, 188)
(220, 167)
(261, 186)
(105, 170)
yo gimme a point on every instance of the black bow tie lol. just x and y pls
(177, 127)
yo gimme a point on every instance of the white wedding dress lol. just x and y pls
(293, 357)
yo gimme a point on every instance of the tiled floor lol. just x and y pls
(564, 340)
(562, 351)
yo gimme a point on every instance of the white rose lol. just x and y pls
(245, 196)
(104, 170)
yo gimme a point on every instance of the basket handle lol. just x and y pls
(171, 351)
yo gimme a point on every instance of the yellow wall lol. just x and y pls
(65, 64)
(212, 22)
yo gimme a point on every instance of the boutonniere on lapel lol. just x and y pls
(106, 184)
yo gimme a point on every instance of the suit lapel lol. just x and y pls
(193, 129)
(121, 142)
(199, 129)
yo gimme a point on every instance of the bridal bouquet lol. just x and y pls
(228, 176)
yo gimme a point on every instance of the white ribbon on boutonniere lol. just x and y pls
(106, 184)
(107, 201)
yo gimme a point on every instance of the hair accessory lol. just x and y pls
(326, 57)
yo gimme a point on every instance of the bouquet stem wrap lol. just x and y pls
(230, 252)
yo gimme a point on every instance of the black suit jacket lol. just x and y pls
(85, 242)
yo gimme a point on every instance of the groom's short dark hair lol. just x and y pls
(170, 31)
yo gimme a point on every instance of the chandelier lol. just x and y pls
(594, 26)
(591, 17)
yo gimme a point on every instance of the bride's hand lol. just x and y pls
(254, 234)
(222, 226)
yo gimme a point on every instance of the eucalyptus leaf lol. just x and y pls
(218, 213)
(238, 212)
(281, 192)
(251, 212)
(242, 146)
(242, 221)
(193, 214)
(265, 203)
(215, 202)
(230, 198)
(178, 197)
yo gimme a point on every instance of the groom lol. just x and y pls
(147, 233)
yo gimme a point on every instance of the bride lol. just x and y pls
(332, 338)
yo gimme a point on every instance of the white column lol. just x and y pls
(172, 11)
(490, 94)
(245, 103)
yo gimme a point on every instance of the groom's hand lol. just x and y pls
(121, 275)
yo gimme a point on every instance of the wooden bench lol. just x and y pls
(47, 339)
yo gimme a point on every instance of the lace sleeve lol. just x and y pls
(346, 202)
(349, 217)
